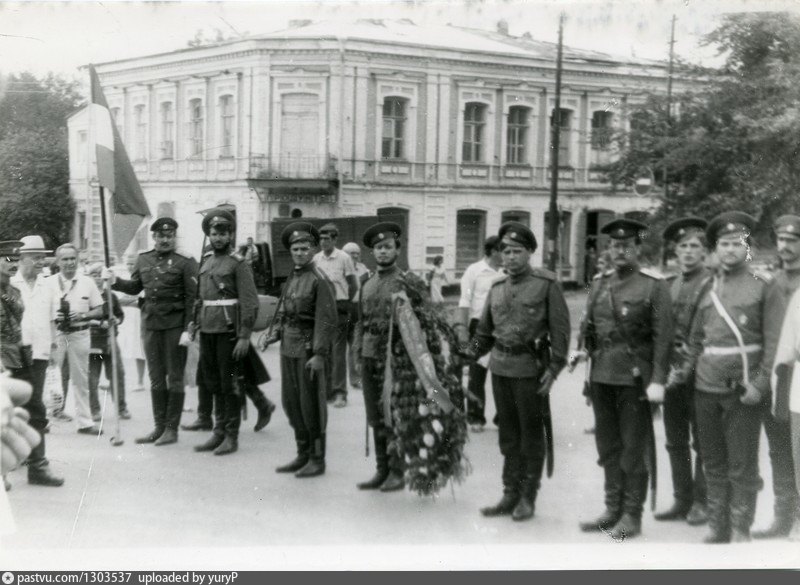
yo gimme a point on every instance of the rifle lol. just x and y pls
(541, 353)
(638, 383)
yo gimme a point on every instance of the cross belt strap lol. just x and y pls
(221, 303)
(734, 350)
(736, 333)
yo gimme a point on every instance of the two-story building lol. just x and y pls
(444, 126)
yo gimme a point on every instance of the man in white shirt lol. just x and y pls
(338, 267)
(77, 300)
(475, 284)
(38, 331)
(362, 274)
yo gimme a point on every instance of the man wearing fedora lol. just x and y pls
(38, 331)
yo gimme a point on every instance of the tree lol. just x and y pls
(734, 142)
(34, 161)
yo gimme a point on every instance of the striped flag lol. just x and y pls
(127, 206)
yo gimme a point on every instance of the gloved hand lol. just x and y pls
(655, 393)
(751, 395)
(108, 275)
(185, 339)
(575, 358)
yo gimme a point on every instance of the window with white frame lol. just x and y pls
(601, 130)
(196, 127)
(140, 131)
(565, 134)
(167, 126)
(394, 128)
(473, 146)
(517, 135)
(227, 118)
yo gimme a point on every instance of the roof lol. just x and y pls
(441, 37)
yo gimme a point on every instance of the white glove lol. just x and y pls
(185, 339)
(575, 358)
(108, 274)
(655, 393)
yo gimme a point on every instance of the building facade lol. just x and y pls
(448, 127)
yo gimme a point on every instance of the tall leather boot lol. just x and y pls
(511, 484)
(681, 464)
(395, 480)
(743, 511)
(159, 400)
(316, 461)
(613, 501)
(781, 524)
(718, 505)
(219, 426)
(39, 468)
(381, 461)
(233, 419)
(529, 486)
(298, 462)
(173, 419)
(264, 406)
(635, 493)
(205, 407)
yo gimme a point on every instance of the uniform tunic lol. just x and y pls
(307, 325)
(521, 309)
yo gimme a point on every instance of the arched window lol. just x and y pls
(394, 128)
(473, 146)
(517, 135)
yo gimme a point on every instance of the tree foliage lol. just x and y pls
(733, 141)
(34, 161)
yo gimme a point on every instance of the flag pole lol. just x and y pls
(116, 440)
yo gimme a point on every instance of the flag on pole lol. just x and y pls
(127, 206)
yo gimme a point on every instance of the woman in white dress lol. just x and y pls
(437, 278)
(130, 335)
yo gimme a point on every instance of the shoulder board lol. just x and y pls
(764, 275)
(500, 279)
(145, 253)
(544, 273)
(651, 273)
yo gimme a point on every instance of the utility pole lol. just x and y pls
(555, 145)
(668, 127)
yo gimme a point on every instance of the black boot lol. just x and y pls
(174, 411)
(528, 487)
(216, 439)
(626, 527)
(394, 481)
(633, 497)
(201, 424)
(678, 511)
(743, 511)
(698, 514)
(316, 462)
(264, 406)
(381, 459)
(505, 506)
(718, 506)
(205, 408)
(780, 527)
(298, 462)
(39, 468)
(230, 444)
(613, 499)
(680, 461)
(159, 400)
(213, 442)
(232, 404)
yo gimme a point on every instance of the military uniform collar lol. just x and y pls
(741, 269)
(393, 269)
(690, 275)
(521, 275)
(626, 271)
(304, 268)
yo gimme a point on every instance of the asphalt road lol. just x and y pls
(121, 499)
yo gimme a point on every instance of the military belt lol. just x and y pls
(735, 350)
(221, 303)
(510, 349)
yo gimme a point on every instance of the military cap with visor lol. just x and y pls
(299, 231)
(10, 248)
(788, 225)
(217, 217)
(684, 227)
(516, 233)
(729, 222)
(164, 224)
(384, 230)
(623, 228)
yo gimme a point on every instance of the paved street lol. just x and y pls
(171, 497)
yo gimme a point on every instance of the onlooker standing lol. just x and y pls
(338, 267)
(100, 352)
(437, 278)
(362, 274)
(38, 331)
(77, 301)
(475, 285)
(130, 331)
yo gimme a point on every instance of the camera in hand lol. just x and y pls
(63, 321)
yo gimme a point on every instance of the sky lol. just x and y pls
(61, 36)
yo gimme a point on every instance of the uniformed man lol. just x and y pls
(306, 326)
(628, 332)
(732, 347)
(169, 281)
(370, 348)
(787, 502)
(228, 306)
(525, 324)
(687, 236)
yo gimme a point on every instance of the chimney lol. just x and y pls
(298, 23)
(502, 26)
